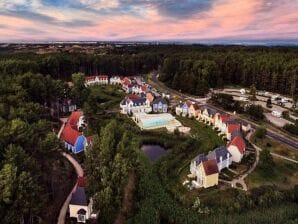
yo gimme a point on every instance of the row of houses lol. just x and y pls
(72, 135)
(206, 168)
(141, 99)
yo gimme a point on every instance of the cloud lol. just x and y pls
(148, 19)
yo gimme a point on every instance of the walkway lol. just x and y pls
(80, 173)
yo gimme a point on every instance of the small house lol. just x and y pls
(208, 115)
(160, 105)
(182, 109)
(207, 174)
(115, 80)
(194, 110)
(222, 156)
(196, 162)
(79, 207)
(237, 148)
(137, 105)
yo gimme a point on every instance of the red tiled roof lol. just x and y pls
(196, 106)
(210, 167)
(74, 119)
(144, 88)
(224, 117)
(103, 77)
(90, 78)
(233, 127)
(69, 134)
(239, 143)
(132, 96)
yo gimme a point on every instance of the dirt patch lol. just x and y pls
(128, 199)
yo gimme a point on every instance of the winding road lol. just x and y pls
(80, 173)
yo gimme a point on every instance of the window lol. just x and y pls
(81, 218)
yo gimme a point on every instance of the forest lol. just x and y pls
(34, 177)
(192, 69)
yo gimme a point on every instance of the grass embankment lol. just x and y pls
(109, 96)
(284, 174)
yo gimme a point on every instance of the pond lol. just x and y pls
(154, 152)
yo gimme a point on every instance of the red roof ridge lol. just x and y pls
(239, 142)
(210, 167)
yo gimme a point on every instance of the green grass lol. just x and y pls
(110, 95)
(284, 175)
(276, 147)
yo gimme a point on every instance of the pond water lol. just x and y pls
(154, 152)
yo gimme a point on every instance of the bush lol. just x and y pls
(256, 112)
(292, 128)
(260, 132)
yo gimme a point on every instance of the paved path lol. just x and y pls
(284, 157)
(80, 173)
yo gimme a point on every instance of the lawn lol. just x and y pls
(284, 175)
(276, 147)
(109, 96)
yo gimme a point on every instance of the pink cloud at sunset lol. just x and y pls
(42, 20)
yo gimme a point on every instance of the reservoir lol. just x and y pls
(154, 152)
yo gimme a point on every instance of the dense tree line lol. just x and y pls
(192, 69)
(62, 66)
(108, 164)
(31, 170)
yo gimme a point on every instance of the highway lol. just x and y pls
(183, 96)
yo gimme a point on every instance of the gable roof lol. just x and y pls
(78, 197)
(69, 134)
(210, 167)
(239, 142)
(233, 127)
(159, 100)
(196, 106)
(220, 152)
(224, 117)
(236, 133)
(139, 101)
(74, 119)
(132, 96)
(200, 158)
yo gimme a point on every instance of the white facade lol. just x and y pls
(133, 106)
(96, 80)
(236, 155)
(115, 80)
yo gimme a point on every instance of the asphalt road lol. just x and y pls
(275, 136)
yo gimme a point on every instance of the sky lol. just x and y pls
(147, 20)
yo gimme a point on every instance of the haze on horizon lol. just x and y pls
(147, 20)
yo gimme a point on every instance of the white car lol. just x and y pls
(242, 91)
(276, 113)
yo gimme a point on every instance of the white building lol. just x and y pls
(96, 80)
(132, 106)
(115, 80)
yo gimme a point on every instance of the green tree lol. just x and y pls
(266, 162)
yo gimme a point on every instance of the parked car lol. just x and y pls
(276, 113)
